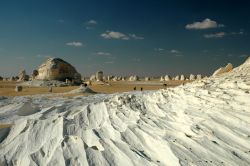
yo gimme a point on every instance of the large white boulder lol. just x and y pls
(167, 78)
(99, 76)
(57, 69)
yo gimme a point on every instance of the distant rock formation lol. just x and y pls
(34, 74)
(167, 78)
(177, 78)
(222, 70)
(134, 78)
(22, 76)
(162, 78)
(192, 77)
(99, 76)
(147, 78)
(57, 69)
(182, 77)
(92, 78)
(198, 77)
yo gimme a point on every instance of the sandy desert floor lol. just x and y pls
(8, 88)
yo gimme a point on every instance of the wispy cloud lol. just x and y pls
(134, 36)
(114, 35)
(74, 44)
(215, 35)
(43, 56)
(103, 53)
(159, 49)
(173, 51)
(92, 22)
(205, 24)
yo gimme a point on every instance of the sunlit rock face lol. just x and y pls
(56, 69)
(222, 70)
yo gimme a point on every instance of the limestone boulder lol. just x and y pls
(182, 78)
(134, 78)
(199, 76)
(167, 78)
(192, 77)
(22, 76)
(99, 76)
(222, 70)
(57, 69)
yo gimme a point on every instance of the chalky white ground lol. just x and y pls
(206, 122)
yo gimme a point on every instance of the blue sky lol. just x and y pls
(144, 37)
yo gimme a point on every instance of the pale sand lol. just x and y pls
(8, 88)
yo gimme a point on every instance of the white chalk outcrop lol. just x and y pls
(202, 123)
(134, 78)
(57, 69)
(222, 70)
(167, 78)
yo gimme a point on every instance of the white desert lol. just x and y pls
(204, 122)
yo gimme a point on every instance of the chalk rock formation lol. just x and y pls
(34, 74)
(99, 76)
(22, 76)
(198, 77)
(162, 78)
(57, 69)
(177, 78)
(92, 78)
(182, 78)
(147, 78)
(167, 78)
(222, 70)
(134, 78)
(192, 77)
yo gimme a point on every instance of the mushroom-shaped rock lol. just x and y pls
(56, 69)
(222, 70)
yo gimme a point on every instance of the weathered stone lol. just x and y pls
(198, 77)
(162, 78)
(18, 88)
(182, 78)
(22, 76)
(192, 77)
(92, 78)
(99, 76)
(134, 78)
(56, 69)
(177, 78)
(167, 78)
(147, 78)
(222, 70)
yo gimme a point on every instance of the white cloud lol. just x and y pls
(114, 35)
(215, 35)
(241, 32)
(174, 51)
(43, 56)
(205, 24)
(74, 44)
(134, 36)
(159, 49)
(92, 22)
(103, 53)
